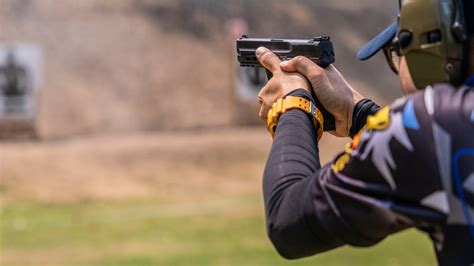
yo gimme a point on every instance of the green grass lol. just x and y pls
(142, 232)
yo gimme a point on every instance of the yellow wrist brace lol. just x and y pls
(292, 102)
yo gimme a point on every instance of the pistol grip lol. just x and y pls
(329, 121)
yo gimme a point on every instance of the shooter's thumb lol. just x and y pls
(268, 59)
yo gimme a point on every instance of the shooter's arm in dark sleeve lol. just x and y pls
(295, 200)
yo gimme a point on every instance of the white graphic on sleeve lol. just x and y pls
(378, 146)
(437, 200)
(469, 183)
(429, 99)
(398, 103)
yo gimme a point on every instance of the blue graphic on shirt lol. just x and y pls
(409, 116)
(470, 81)
(459, 187)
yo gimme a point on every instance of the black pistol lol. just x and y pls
(318, 49)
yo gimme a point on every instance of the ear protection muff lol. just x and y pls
(460, 31)
(432, 37)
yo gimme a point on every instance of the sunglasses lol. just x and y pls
(394, 50)
(392, 54)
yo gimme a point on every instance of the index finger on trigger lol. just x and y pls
(268, 59)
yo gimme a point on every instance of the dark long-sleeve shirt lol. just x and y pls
(412, 165)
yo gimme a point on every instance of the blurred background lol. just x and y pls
(131, 137)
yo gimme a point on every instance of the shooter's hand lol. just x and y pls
(280, 84)
(331, 89)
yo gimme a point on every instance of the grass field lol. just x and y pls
(142, 232)
(147, 200)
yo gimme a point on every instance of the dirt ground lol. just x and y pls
(170, 166)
